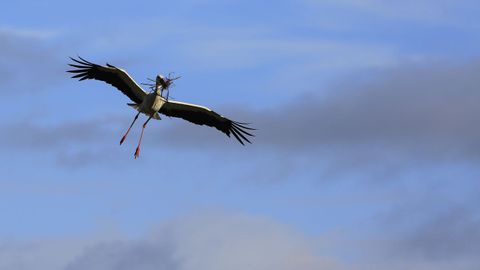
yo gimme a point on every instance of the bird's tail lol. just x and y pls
(134, 105)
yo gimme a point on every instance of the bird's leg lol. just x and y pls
(125, 136)
(137, 152)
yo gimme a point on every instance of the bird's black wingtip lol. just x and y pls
(84, 60)
(241, 132)
(244, 125)
(80, 60)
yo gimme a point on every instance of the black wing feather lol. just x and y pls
(203, 116)
(109, 74)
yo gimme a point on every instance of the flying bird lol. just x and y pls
(154, 103)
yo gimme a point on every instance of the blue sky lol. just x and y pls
(366, 154)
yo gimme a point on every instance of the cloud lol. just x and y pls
(452, 235)
(207, 241)
(445, 239)
(216, 241)
(38, 34)
(52, 253)
(445, 12)
(425, 111)
(28, 60)
(129, 255)
(29, 135)
(203, 47)
(73, 144)
(320, 54)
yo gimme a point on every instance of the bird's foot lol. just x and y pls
(137, 153)
(123, 139)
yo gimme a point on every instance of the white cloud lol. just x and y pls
(198, 242)
(438, 12)
(28, 60)
(213, 242)
(217, 241)
(28, 33)
(320, 53)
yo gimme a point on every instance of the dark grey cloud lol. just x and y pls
(426, 111)
(427, 221)
(32, 136)
(210, 242)
(448, 239)
(74, 144)
(414, 109)
(141, 255)
(453, 234)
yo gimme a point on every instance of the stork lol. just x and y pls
(154, 103)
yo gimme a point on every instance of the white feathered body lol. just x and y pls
(152, 103)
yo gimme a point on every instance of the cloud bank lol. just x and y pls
(209, 241)
(429, 112)
(216, 241)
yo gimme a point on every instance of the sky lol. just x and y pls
(366, 154)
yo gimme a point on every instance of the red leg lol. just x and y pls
(137, 151)
(125, 136)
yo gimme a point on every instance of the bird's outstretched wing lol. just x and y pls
(109, 74)
(204, 116)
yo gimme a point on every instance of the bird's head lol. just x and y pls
(165, 82)
(160, 81)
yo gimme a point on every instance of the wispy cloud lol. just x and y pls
(28, 33)
(322, 53)
(32, 136)
(29, 61)
(427, 11)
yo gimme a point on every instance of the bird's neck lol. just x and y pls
(158, 90)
